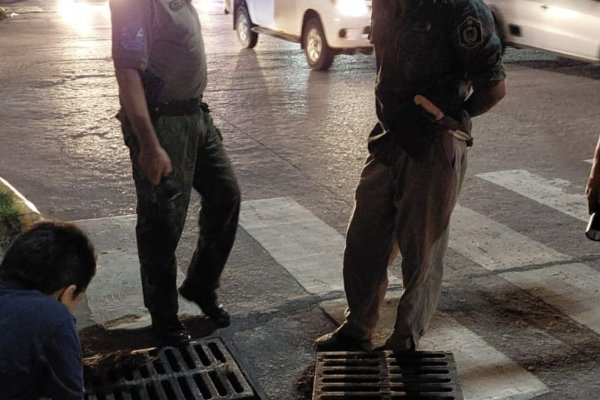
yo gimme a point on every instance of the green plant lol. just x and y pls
(9, 218)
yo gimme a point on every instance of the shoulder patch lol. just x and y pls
(132, 39)
(470, 33)
(176, 5)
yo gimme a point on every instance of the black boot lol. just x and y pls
(171, 331)
(209, 305)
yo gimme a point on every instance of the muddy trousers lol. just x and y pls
(406, 207)
(199, 161)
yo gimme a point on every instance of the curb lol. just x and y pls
(27, 212)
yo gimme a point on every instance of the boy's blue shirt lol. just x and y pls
(40, 353)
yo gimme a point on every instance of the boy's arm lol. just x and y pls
(64, 370)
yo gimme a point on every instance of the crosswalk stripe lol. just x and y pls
(550, 193)
(485, 373)
(299, 241)
(570, 288)
(495, 246)
(312, 252)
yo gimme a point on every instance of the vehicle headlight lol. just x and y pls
(352, 8)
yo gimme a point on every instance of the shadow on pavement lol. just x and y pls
(304, 385)
(97, 341)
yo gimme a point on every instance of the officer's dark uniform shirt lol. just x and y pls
(165, 37)
(40, 354)
(436, 48)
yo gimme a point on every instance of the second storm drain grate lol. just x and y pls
(386, 375)
(204, 369)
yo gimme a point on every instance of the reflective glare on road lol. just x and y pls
(83, 16)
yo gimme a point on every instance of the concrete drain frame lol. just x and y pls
(204, 369)
(386, 375)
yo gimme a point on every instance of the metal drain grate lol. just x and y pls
(385, 375)
(202, 370)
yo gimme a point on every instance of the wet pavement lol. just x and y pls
(520, 299)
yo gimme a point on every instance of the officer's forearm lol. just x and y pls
(131, 92)
(482, 100)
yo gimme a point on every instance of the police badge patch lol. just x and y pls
(470, 33)
(176, 5)
(132, 38)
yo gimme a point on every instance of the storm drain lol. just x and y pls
(385, 375)
(204, 369)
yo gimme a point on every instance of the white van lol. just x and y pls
(567, 27)
(323, 28)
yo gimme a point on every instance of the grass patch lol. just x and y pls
(10, 223)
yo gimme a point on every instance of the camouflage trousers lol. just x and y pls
(199, 161)
(404, 208)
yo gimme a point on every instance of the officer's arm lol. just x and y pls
(152, 158)
(479, 49)
(131, 93)
(483, 99)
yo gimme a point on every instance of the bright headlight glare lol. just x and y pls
(352, 8)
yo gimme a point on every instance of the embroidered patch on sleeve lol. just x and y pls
(176, 5)
(470, 33)
(132, 38)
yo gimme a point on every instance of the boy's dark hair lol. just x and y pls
(50, 256)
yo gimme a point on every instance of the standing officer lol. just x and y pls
(439, 63)
(160, 66)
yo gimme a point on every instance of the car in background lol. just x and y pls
(570, 28)
(323, 28)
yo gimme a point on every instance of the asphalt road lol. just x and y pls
(531, 292)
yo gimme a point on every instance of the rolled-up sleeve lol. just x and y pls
(478, 45)
(129, 34)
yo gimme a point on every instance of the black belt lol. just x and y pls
(179, 107)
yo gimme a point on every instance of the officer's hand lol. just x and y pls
(154, 163)
(428, 106)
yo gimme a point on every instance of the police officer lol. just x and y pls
(160, 66)
(439, 63)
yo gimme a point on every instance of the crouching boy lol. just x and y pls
(42, 278)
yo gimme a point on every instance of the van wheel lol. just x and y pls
(318, 53)
(243, 27)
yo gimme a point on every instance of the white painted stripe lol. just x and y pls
(573, 289)
(484, 372)
(551, 193)
(303, 244)
(116, 290)
(495, 246)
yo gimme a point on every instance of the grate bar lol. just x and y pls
(386, 375)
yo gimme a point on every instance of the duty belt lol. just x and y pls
(179, 107)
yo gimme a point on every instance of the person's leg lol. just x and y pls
(214, 179)
(426, 196)
(160, 223)
(369, 244)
